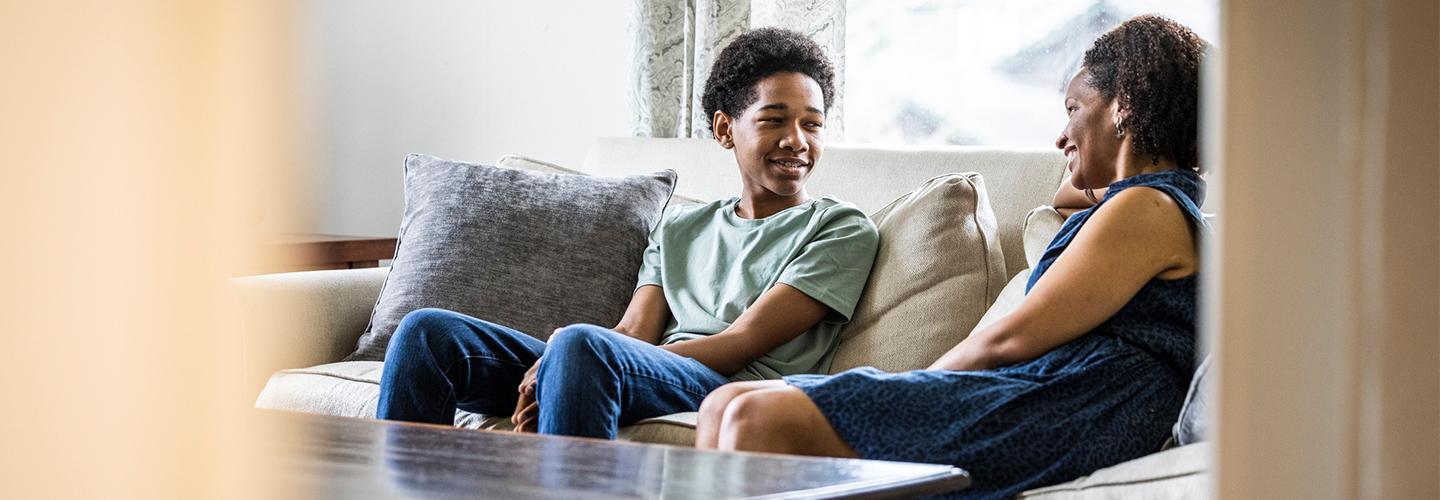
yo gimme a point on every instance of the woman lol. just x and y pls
(1091, 368)
(772, 277)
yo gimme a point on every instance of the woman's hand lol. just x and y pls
(527, 409)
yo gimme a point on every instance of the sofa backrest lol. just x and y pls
(1017, 179)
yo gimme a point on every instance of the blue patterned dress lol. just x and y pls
(1106, 397)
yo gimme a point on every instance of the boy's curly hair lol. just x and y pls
(1152, 65)
(756, 55)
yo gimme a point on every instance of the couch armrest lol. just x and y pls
(295, 320)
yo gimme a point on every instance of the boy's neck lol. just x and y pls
(758, 207)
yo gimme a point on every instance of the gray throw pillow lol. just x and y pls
(1194, 426)
(529, 250)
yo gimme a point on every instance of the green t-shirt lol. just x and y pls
(712, 265)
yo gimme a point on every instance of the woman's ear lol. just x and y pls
(1118, 117)
(723, 134)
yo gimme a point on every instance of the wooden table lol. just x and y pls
(310, 252)
(336, 457)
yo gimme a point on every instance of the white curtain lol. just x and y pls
(676, 42)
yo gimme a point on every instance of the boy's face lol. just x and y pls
(779, 138)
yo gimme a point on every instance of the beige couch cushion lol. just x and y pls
(352, 389)
(1008, 300)
(937, 269)
(1177, 473)
(1041, 224)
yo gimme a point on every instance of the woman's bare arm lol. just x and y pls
(1069, 199)
(1135, 237)
(777, 317)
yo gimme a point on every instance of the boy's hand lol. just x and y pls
(526, 408)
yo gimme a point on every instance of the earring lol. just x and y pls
(1119, 130)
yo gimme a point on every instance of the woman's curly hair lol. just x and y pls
(756, 55)
(1152, 65)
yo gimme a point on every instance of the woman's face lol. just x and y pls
(1089, 140)
(779, 138)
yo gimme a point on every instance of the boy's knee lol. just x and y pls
(419, 324)
(579, 351)
(426, 319)
(421, 329)
(580, 340)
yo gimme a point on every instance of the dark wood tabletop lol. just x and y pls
(337, 457)
(310, 252)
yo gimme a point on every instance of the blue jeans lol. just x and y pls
(591, 380)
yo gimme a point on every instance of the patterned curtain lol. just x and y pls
(676, 42)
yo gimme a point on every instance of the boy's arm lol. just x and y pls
(777, 317)
(646, 316)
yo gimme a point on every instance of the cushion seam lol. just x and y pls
(985, 241)
(1106, 484)
(332, 375)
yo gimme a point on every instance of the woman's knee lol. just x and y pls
(715, 403)
(754, 418)
(721, 398)
(781, 420)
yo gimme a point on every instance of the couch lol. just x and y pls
(299, 325)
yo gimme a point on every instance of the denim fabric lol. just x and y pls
(591, 380)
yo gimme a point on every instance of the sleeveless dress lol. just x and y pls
(1106, 397)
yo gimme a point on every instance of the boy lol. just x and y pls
(748, 288)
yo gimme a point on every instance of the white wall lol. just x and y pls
(468, 80)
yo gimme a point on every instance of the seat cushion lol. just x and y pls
(938, 267)
(533, 251)
(1177, 473)
(352, 389)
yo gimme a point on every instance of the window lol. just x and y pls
(978, 72)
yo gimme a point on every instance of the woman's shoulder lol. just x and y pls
(1139, 217)
(1142, 206)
